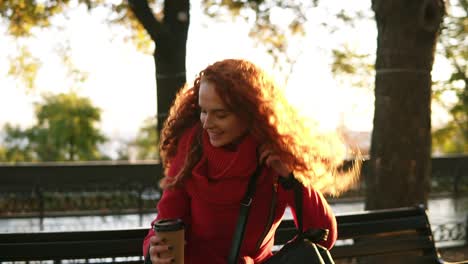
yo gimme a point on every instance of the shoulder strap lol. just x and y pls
(297, 186)
(245, 208)
(243, 216)
(314, 235)
(287, 183)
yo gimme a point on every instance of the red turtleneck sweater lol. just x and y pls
(209, 204)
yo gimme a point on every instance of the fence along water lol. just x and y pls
(51, 190)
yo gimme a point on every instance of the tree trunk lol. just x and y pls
(401, 138)
(170, 38)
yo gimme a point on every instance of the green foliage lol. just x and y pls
(23, 16)
(273, 35)
(24, 66)
(15, 145)
(66, 128)
(147, 140)
(119, 13)
(352, 68)
(450, 139)
(349, 66)
(278, 37)
(453, 137)
(74, 73)
(65, 131)
(2, 153)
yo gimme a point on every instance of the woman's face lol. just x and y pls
(223, 126)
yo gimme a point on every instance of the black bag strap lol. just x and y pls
(243, 216)
(288, 183)
(314, 235)
(297, 186)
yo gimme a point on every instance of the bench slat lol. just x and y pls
(380, 214)
(68, 249)
(378, 247)
(73, 235)
(364, 228)
(392, 259)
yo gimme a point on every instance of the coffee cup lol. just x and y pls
(172, 231)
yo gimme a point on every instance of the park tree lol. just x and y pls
(166, 27)
(65, 130)
(400, 162)
(169, 33)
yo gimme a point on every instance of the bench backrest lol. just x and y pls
(73, 245)
(367, 237)
(379, 236)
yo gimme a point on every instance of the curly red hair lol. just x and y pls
(251, 94)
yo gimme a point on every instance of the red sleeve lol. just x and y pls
(174, 203)
(316, 214)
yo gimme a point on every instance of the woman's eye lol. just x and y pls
(221, 116)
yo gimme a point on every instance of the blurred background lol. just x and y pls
(81, 88)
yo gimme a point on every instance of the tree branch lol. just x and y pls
(144, 14)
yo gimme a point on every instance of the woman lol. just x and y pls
(232, 120)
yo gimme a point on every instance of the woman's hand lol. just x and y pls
(273, 161)
(160, 252)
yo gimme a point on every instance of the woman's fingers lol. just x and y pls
(264, 154)
(159, 249)
(155, 240)
(160, 252)
(273, 161)
(157, 260)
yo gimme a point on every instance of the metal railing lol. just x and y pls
(110, 188)
(36, 187)
(88, 188)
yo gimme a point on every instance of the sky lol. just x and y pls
(121, 79)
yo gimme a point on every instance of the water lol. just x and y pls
(441, 210)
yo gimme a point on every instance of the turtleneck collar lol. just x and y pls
(236, 161)
(221, 172)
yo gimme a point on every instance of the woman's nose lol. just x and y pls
(207, 121)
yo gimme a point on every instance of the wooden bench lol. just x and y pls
(366, 237)
(381, 236)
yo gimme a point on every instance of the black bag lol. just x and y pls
(303, 249)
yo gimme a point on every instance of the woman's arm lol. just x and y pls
(175, 202)
(316, 214)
